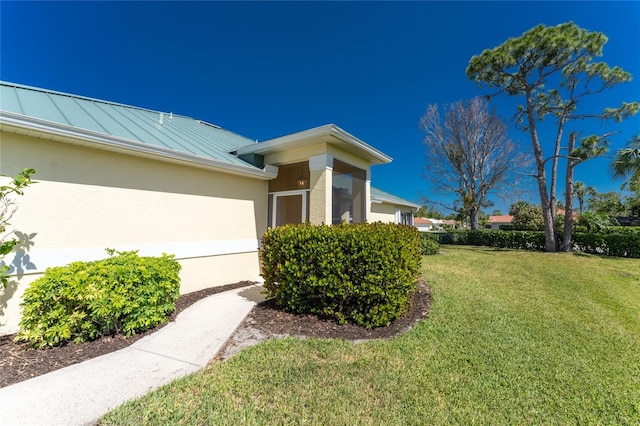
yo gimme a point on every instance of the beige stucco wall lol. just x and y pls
(88, 199)
(320, 197)
(382, 212)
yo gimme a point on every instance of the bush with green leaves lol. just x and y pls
(623, 243)
(7, 208)
(125, 293)
(359, 273)
(429, 244)
(611, 241)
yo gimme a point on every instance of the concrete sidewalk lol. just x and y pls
(80, 394)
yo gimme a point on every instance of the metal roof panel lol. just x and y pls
(382, 196)
(175, 132)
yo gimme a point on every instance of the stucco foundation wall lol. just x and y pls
(200, 273)
(88, 199)
(382, 213)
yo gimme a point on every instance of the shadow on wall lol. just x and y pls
(20, 264)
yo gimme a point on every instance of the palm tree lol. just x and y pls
(627, 162)
(581, 191)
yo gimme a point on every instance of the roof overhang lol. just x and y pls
(43, 129)
(378, 199)
(329, 134)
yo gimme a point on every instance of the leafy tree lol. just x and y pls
(590, 147)
(526, 216)
(552, 69)
(7, 209)
(581, 191)
(430, 212)
(627, 164)
(594, 222)
(610, 204)
(468, 154)
(496, 212)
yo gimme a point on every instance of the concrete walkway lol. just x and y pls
(80, 394)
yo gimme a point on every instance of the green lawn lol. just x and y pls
(513, 337)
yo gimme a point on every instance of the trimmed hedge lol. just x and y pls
(617, 241)
(359, 273)
(85, 300)
(620, 244)
(428, 244)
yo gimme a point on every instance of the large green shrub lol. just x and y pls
(428, 244)
(363, 274)
(125, 293)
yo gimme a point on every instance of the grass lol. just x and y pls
(513, 337)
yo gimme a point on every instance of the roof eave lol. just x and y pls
(377, 199)
(131, 147)
(306, 137)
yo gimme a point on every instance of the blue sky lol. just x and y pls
(267, 69)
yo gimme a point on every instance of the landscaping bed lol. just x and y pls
(20, 362)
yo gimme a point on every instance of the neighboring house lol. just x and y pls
(454, 223)
(423, 224)
(496, 221)
(575, 215)
(116, 176)
(386, 207)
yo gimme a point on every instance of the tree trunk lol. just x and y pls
(548, 216)
(568, 213)
(473, 218)
(554, 176)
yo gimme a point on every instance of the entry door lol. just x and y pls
(288, 207)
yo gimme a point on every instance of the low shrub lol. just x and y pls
(525, 240)
(428, 244)
(82, 301)
(624, 243)
(363, 274)
(618, 241)
(453, 237)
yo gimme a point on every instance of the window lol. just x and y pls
(404, 217)
(348, 201)
(287, 207)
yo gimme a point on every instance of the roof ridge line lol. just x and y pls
(87, 98)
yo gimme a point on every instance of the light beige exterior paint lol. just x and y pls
(88, 199)
(320, 197)
(382, 212)
(347, 157)
(217, 271)
(295, 155)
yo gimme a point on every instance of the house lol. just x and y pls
(496, 221)
(123, 177)
(385, 206)
(423, 224)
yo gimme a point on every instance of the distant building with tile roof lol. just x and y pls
(496, 221)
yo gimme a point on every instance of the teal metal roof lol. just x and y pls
(141, 126)
(384, 197)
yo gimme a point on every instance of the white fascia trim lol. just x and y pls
(37, 261)
(121, 144)
(380, 200)
(300, 139)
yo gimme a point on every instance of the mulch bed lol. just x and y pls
(271, 320)
(20, 362)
